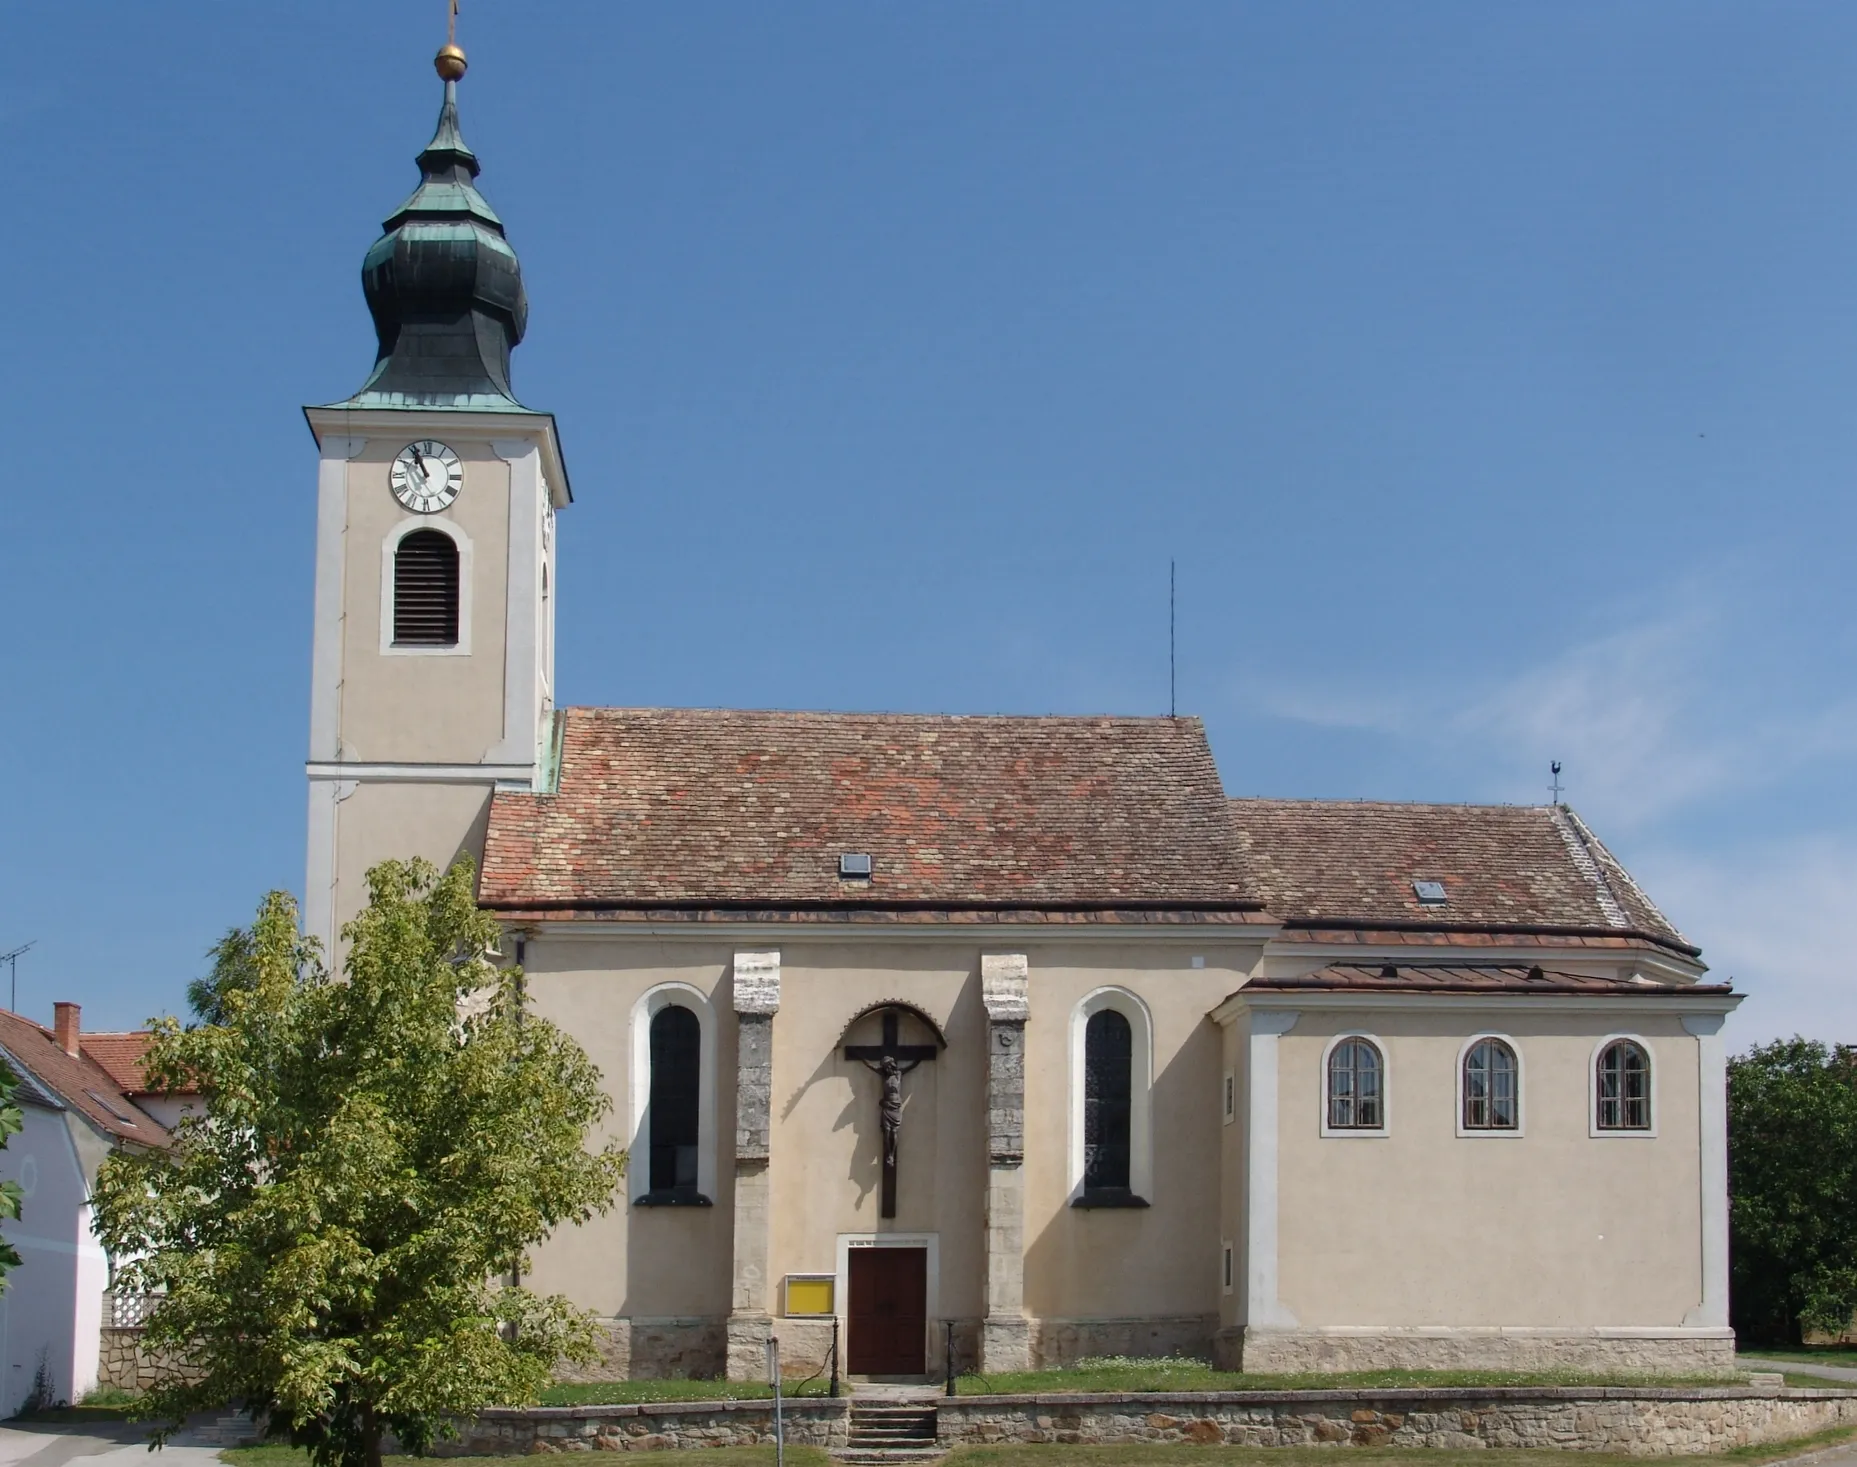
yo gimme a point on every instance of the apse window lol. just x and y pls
(1622, 1087)
(1356, 1087)
(425, 590)
(1492, 1087)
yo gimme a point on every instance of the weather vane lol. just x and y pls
(1555, 789)
(450, 59)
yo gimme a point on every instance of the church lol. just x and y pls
(1006, 1040)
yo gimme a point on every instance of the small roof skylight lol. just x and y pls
(111, 1106)
(854, 863)
(1429, 893)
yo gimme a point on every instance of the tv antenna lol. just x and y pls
(12, 961)
(1556, 789)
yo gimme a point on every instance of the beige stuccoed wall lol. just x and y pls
(1554, 1228)
(379, 821)
(1128, 1263)
(663, 1262)
(652, 1262)
(825, 1139)
(438, 708)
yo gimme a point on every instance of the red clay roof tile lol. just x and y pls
(1505, 868)
(80, 1081)
(708, 809)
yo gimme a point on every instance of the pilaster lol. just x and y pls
(756, 992)
(1262, 1308)
(1005, 1335)
(1712, 1118)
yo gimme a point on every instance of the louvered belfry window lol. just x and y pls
(425, 590)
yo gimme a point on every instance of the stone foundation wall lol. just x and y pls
(1646, 1352)
(1057, 1343)
(1645, 1422)
(125, 1365)
(648, 1427)
(691, 1348)
(1641, 1421)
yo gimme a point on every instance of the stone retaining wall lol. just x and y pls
(648, 1426)
(1648, 1421)
(122, 1362)
(1642, 1421)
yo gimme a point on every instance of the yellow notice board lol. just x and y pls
(810, 1293)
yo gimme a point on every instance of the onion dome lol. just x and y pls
(442, 283)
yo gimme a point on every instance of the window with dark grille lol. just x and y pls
(676, 1075)
(425, 590)
(1491, 1095)
(1108, 1063)
(1356, 1098)
(1624, 1081)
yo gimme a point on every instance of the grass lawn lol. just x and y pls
(722, 1456)
(1189, 1375)
(1842, 1356)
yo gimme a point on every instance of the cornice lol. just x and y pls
(464, 424)
(1637, 1001)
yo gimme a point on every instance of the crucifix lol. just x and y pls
(891, 1060)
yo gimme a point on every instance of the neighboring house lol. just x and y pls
(82, 1096)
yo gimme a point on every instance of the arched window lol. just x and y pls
(676, 1080)
(1356, 1088)
(1622, 1081)
(425, 590)
(1108, 1062)
(1492, 1088)
(673, 1084)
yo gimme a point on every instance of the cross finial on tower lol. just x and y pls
(450, 60)
(1556, 789)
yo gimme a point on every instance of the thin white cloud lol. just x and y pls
(1647, 720)
(1777, 919)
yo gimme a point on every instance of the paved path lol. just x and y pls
(101, 1444)
(1796, 1367)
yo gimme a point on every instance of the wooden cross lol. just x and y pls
(891, 1060)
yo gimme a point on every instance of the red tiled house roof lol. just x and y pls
(1505, 868)
(79, 1081)
(706, 810)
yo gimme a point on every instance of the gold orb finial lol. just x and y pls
(450, 63)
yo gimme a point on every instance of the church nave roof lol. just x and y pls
(699, 808)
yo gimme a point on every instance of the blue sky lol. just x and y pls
(1488, 370)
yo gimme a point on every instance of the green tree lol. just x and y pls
(1792, 1181)
(11, 1123)
(375, 1156)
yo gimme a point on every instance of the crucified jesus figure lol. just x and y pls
(890, 1061)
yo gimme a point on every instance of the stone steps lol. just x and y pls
(890, 1431)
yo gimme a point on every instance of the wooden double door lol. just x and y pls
(888, 1311)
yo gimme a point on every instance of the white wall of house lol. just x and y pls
(51, 1309)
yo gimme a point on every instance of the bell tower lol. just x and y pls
(432, 672)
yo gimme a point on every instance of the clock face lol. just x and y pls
(426, 476)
